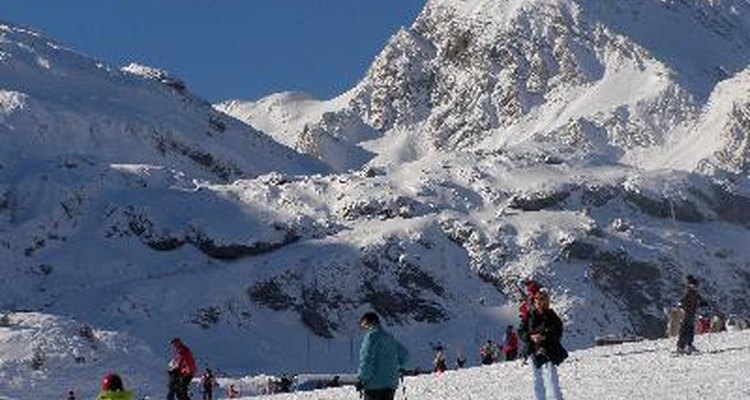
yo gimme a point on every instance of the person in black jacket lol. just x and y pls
(689, 304)
(542, 332)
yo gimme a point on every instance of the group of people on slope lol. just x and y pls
(382, 358)
(182, 369)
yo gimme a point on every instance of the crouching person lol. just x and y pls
(542, 333)
(381, 357)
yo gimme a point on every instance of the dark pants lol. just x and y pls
(208, 392)
(511, 355)
(380, 394)
(178, 386)
(687, 332)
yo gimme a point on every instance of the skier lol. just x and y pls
(381, 358)
(487, 353)
(71, 395)
(717, 323)
(703, 325)
(208, 381)
(542, 332)
(233, 392)
(182, 370)
(460, 360)
(510, 346)
(689, 304)
(113, 389)
(438, 364)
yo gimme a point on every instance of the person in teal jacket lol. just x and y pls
(381, 358)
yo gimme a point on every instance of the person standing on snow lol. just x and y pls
(510, 347)
(487, 353)
(689, 304)
(113, 389)
(525, 308)
(542, 332)
(439, 364)
(182, 370)
(208, 381)
(381, 357)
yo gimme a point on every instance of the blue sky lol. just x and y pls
(228, 48)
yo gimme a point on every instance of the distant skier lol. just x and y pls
(487, 352)
(439, 364)
(717, 323)
(381, 358)
(460, 360)
(542, 332)
(113, 389)
(71, 395)
(510, 345)
(689, 304)
(703, 325)
(208, 381)
(233, 392)
(182, 370)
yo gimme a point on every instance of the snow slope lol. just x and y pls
(642, 370)
(645, 370)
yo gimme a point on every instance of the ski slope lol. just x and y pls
(644, 370)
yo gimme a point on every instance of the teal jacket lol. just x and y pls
(380, 359)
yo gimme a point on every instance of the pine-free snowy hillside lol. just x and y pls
(582, 143)
(637, 371)
(643, 370)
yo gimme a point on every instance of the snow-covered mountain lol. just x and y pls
(598, 147)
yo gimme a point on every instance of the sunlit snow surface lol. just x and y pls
(645, 370)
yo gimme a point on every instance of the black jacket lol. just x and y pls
(549, 325)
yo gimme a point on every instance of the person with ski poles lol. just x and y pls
(381, 360)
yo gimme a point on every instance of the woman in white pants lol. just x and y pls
(542, 332)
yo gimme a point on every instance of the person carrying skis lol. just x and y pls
(381, 358)
(510, 347)
(208, 381)
(543, 330)
(689, 304)
(182, 370)
(113, 389)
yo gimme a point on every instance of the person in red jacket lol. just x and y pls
(183, 369)
(510, 347)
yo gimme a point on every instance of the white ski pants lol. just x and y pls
(546, 382)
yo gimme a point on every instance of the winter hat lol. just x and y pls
(692, 280)
(370, 318)
(532, 287)
(112, 382)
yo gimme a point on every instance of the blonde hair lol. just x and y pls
(543, 297)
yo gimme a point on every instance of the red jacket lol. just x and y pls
(184, 360)
(511, 343)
